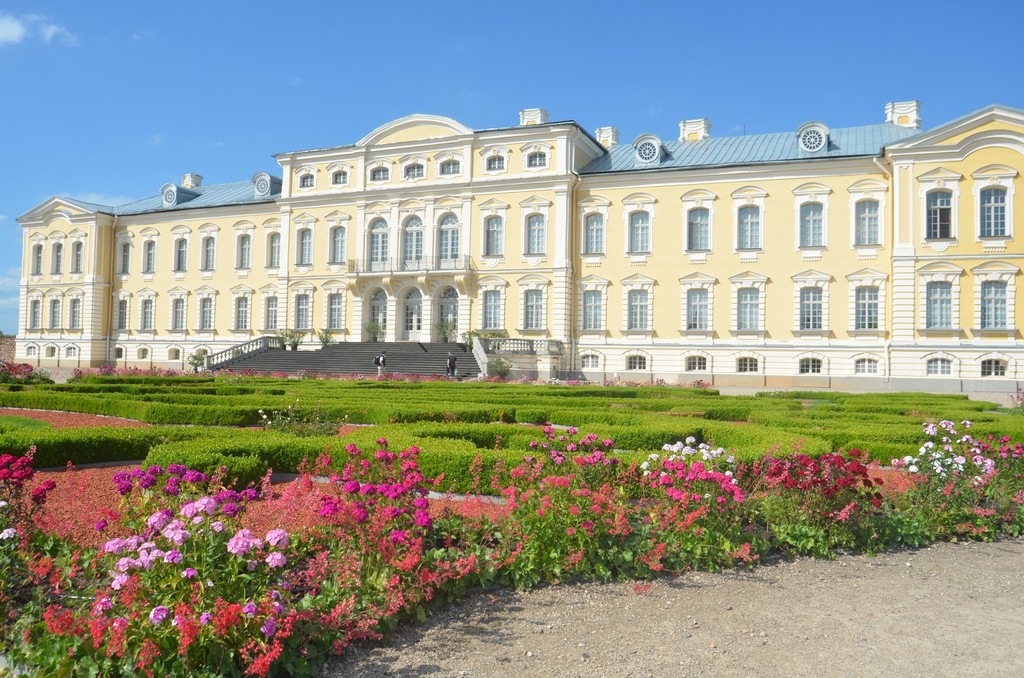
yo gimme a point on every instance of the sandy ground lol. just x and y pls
(948, 610)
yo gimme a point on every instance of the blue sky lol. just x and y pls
(108, 100)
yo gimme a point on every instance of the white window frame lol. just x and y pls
(243, 316)
(633, 204)
(178, 302)
(35, 314)
(868, 189)
(534, 315)
(811, 279)
(939, 272)
(805, 195)
(54, 313)
(939, 179)
(996, 271)
(335, 309)
(147, 313)
(859, 361)
(749, 196)
(995, 176)
(206, 315)
(274, 249)
(208, 252)
(74, 313)
(271, 309)
(302, 309)
(749, 280)
(149, 256)
(306, 174)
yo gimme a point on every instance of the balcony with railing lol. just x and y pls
(404, 265)
(522, 346)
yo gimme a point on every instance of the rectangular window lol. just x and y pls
(126, 257)
(866, 308)
(449, 244)
(697, 309)
(209, 253)
(122, 314)
(993, 305)
(533, 310)
(746, 365)
(76, 257)
(37, 260)
(593, 239)
(206, 313)
(146, 316)
(939, 215)
(75, 314)
(335, 312)
(178, 314)
(696, 363)
(149, 257)
(865, 366)
(535, 236)
(274, 258)
(337, 245)
(866, 228)
(748, 309)
(810, 308)
(57, 265)
(812, 230)
(939, 366)
(993, 213)
(939, 311)
(305, 247)
(245, 252)
(638, 310)
(270, 314)
(181, 255)
(242, 313)
(993, 368)
(492, 310)
(639, 233)
(592, 309)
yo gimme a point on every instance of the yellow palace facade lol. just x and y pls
(882, 256)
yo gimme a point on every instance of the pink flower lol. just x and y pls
(119, 581)
(276, 559)
(189, 572)
(277, 538)
(241, 543)
(159, 614)
(173, 556)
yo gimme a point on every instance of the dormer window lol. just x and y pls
(538, 159)
(647, 149)
(379, 174)
(339, 178)
(450, 167)
(413, 171)
(812, 137)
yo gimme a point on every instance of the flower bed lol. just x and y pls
(194, 578)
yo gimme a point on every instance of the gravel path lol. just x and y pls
(948, 610)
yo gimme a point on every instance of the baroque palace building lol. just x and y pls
(879, 256)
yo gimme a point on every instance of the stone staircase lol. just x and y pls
(405, 357)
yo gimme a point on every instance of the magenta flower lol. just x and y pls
(189, 572)
(173, 556)
(205, 618)
(159, 614)
(398, 537)
(269, 627)
(249, 609)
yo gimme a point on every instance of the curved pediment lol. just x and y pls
(414, 127)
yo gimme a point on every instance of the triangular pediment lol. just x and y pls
(269, 289)
(748, 276)
(593, 280)
(535, 201)
(637, 279)
(177, 292)
(241, 289)
(940, 267)
(60, 207)
(697, 279)
(953, 133)
(494, 204)
(866, 274)
(812, 274)
(940, 174)
(206, 290)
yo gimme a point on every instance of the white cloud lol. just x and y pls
(15, 29)
(294, 81)
(156, 139)
(3, 218)
(12, 30)
(216, 144)
(141, 34)
(100, 198)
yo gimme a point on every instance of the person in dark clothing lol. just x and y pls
(381, 362)
(450, 365)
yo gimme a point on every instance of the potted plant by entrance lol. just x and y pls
(447, 330)
(374, 330)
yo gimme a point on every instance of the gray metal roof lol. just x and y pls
(214, 195)
(753, 149)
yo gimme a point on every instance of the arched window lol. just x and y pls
(307, 181)
(590, 362)
(55, 313)
(939, 214)
(126, 257)
(812, 229)
(304, 252)
(414, 171)
(939, 366)
(180, 255)
(639, 232)
(535, 234)
(209, 253)
(746, 364)
(696, 363)
(71, 352)
(75, 314)
(865, 366)
(35, 314)
(57, 259)
(698, 229)
(636, 362)
(412, 244)
(593, 234)
(448, 239)
(866, 227)
(149, 256)
(450, 167)
(339, 178)
(380, 174)
(810, 366)
(495, 163)
(337, 245)
(378, 244)
(993, 213)
(413, 311)
(37, 259)
(76, 257)
(748, 236)
(993, 367)
(274, 250)
(537, 159)
(244, 251)
(494, 237)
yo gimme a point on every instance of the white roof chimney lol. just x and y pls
(191, 180)
(607, 136)
(694, 130)
(533, 116)
(904, 113)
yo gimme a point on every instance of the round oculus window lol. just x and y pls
(647, 151)
(812, 140)
(262, 186)
(169, 196)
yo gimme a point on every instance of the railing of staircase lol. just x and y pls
(244, 350)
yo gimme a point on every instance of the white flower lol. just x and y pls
(3, 504)
(912, 468)
(9, 533)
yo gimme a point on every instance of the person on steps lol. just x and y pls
(450, 369)
(381, 361)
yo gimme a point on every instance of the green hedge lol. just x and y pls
(56, 447)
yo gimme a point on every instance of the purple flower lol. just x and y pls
(147, 481)
(241, 543)
(217, 526)
(277, 538)
(205, 618)
(269, 627)
(276, 559)
(250, 493)
(189, 572)
(352, 486)
(173, 556)
(155, 470)
(159, 614)
(398, 537)
(231, 509)
(115, 545)
(177, 469)
(119, 581)
(423, 519)
(101, 524)
(192, 476)
(124, 487)
(158, 520)
(249, 609)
